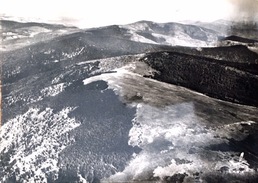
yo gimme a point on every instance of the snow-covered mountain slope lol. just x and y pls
(93, 106)
(49, 118)
(17, 34)
(171, 34)
(173, 130)
(35, 144)
(126, 128)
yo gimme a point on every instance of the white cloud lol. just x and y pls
(90, 13)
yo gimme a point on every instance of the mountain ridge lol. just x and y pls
(117, 104)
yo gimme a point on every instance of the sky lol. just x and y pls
(95, 13)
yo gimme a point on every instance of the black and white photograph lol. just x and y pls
(129, 91)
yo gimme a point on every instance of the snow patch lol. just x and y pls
(54, 89)
(12, 99)
(81, 179)
(136, 26)
(180, 39)
(138, 38)
(77, 52)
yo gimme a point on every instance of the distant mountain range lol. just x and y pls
(146, 101)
